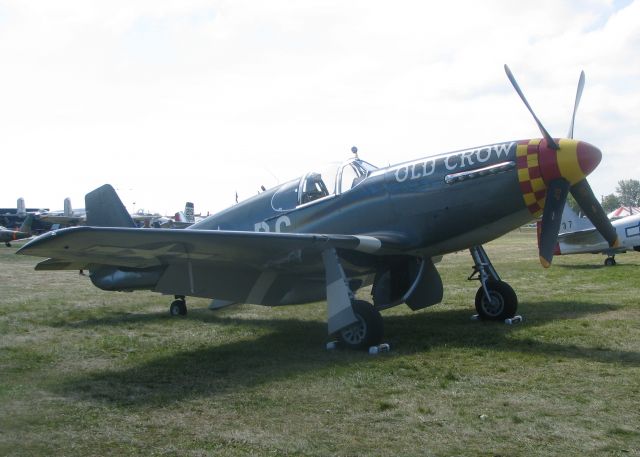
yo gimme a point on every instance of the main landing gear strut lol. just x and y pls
(495, 299)
(356, 322)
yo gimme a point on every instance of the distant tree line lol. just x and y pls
(627, 194)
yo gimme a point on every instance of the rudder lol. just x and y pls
(26, 224)
(105, 209)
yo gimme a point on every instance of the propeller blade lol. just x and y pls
(551, 218)
(589, 204)
(575, 105)
(550, 141)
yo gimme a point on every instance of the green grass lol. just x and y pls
(86, 372)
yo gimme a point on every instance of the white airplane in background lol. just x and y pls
(66, 217)
(183, 219)
(579, 236)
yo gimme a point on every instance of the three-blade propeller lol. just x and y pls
(558, 188)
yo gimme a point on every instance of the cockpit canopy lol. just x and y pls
(333, 179)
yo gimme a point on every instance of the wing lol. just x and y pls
(582, 237)
(83, 247)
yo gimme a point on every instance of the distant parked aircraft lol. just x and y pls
(66, 217)
(9, 235)
(186, 218)
(12, 218)
(579, 236)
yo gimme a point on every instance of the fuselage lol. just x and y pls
(438, 204)
(415, 210)
(591, 242)
(7, 235)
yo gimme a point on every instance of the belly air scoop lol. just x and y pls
(126, 280)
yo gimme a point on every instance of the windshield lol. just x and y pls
(286, 197)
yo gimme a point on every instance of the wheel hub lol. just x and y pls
(495, 306)
(355, 333)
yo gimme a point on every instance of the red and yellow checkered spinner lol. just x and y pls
(539, 165)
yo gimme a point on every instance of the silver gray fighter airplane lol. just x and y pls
(331, 232)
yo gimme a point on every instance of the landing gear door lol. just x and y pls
(427, 289)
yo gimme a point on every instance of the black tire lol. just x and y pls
(178, 308)
(503, 305)
(609, 262)
(369, 329)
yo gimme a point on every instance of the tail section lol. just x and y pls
(189, 212)
(105, 209)
(26, 224)
(68, 209)
(184, 218)
(21, 208)
(572, 222)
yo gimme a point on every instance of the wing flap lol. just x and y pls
(57, 264)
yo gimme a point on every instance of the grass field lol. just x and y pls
(85, 372)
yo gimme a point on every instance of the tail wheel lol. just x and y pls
(369, 329)
(503, 303)
(178, 308)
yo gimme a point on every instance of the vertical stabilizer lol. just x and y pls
(26, 224)
(189, 213)
(105, 209)
(572, 222)
(68, 209)
(21, 208)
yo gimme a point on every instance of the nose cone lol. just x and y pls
(588, 157)
(573, 161)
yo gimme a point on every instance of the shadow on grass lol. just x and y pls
(115, 319)
(293, 347)
(581, 267)
(618, 267)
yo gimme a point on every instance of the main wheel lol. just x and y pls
(178, 308)
(503, 303)
(369, 329)
(609, 261)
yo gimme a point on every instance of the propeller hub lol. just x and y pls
(539, 164)
(573, 161)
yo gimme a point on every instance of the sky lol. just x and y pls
(193, 100)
